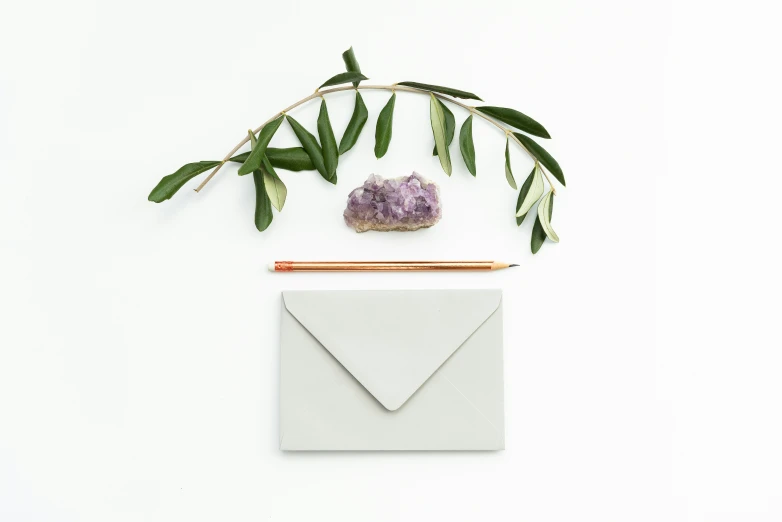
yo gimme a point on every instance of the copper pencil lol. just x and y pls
(384, 266)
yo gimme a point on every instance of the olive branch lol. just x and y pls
(323, 155)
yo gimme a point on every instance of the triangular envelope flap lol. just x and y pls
(392, 341)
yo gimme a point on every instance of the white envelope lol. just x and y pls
(391, 370)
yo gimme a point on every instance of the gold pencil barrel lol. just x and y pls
(361, 266)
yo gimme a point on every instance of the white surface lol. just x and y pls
(138, 345)
(341, 387)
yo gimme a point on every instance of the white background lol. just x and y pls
(138, 342)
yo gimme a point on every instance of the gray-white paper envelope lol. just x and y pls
(391, 370)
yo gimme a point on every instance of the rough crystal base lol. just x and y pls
(406, 203)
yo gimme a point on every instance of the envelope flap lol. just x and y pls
(392, 341)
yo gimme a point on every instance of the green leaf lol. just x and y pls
(351, 64)
(456, 93)
(508, 172)
(292, 158)
(516, 119)
(545, 216)
(327, 141)
(383, 130)
(263, 205)
(522, 194)
(437, 115)
(169, 185)
(274, 186)
(542, 156)
(450, 126)
(253, 141)
(534, 191)
(467, 146)
(356, 124)
(253, 161)
(345, 77)
(538, 234)
(312, 148)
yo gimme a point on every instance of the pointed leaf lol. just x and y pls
(291, 158)
(522, 194)
(253, 161)
(542, 156)
(467, 146)
(538, 234)
(533, 194)
(545, 216)
(456, 93)
(516, 119)
(169, 185)
(345, 77)
(450, 126)
(253, 142)
(263, 205)
(351, 63)
(327, 141)
(274, 186)
(385, 122)
(312, 148)
(508, 171)
(356, 124)
(437, 115)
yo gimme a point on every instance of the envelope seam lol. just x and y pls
(473, 405)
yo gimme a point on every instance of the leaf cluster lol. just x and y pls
(322, 153)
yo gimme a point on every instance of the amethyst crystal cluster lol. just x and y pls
(405, 203)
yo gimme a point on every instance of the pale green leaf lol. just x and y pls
(534, 193)
(450, 126)
(274, 186)
(508, 171)
(523, 194)
(538, 234)
(545, 219)
(437, 115)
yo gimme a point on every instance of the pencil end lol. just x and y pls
(511, 266)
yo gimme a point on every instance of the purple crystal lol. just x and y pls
(406, 203)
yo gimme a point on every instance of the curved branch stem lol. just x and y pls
(394, 87)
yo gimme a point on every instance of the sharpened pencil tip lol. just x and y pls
(512, 265)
